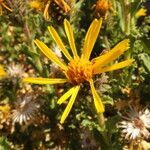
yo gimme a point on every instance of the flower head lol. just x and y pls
(2, 72)
(15, 70)
(141, 12)
(25, 109)
(36, 5)
(80, 69)
(5, 110)
(136, 124)
(44, 6)
(101, 7)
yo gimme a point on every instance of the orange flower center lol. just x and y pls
(138, 123)
(79, 70)
(1, 1)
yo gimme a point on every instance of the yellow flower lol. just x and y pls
(36, 5)
(101, 7)
(2, 4)
(80, 69)
(44, 6)
(2, 72)
(141, 12)
(5, 109)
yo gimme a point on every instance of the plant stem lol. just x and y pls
(127, 16)
(131, 146)
(101, 120)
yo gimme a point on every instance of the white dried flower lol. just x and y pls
(136, 124)
(26, 109)
(57, 51)
(15, 70)
(54, 67)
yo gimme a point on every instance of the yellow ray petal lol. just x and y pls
(70, 36)
(91, 37)
(118, 50)
(97, 101)
(62, 4)
(65, 96)
(43, 80)
(141, 12)
(70, 104)
(1, 10)
(3, 4)
(5, 108)
(50, 54)
(2, 72)
(114, 67)
(59, 42)
(46, 11)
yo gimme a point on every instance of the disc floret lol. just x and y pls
(79, 70)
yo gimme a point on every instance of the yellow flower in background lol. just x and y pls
(102, 7)
(5, 109)
(3, 5)
(141, 12)
(2, 72)
(44, 6)
(41, 6)
(36, 5)
(79, 68)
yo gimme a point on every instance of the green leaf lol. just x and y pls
(107, 100)
(111, 124)
(91, 125)
(4, 145)
(121, 16)
(29, 52)
(146, 45)
(145, 58)
(105, 87)
(134, 7)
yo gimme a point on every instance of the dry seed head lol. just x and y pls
(138, 123)
(135, 124)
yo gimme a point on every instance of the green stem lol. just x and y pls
(131, 146)
(127, 16)
(139, 146)
(114, 6)
(128, 19)
(101, 121)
